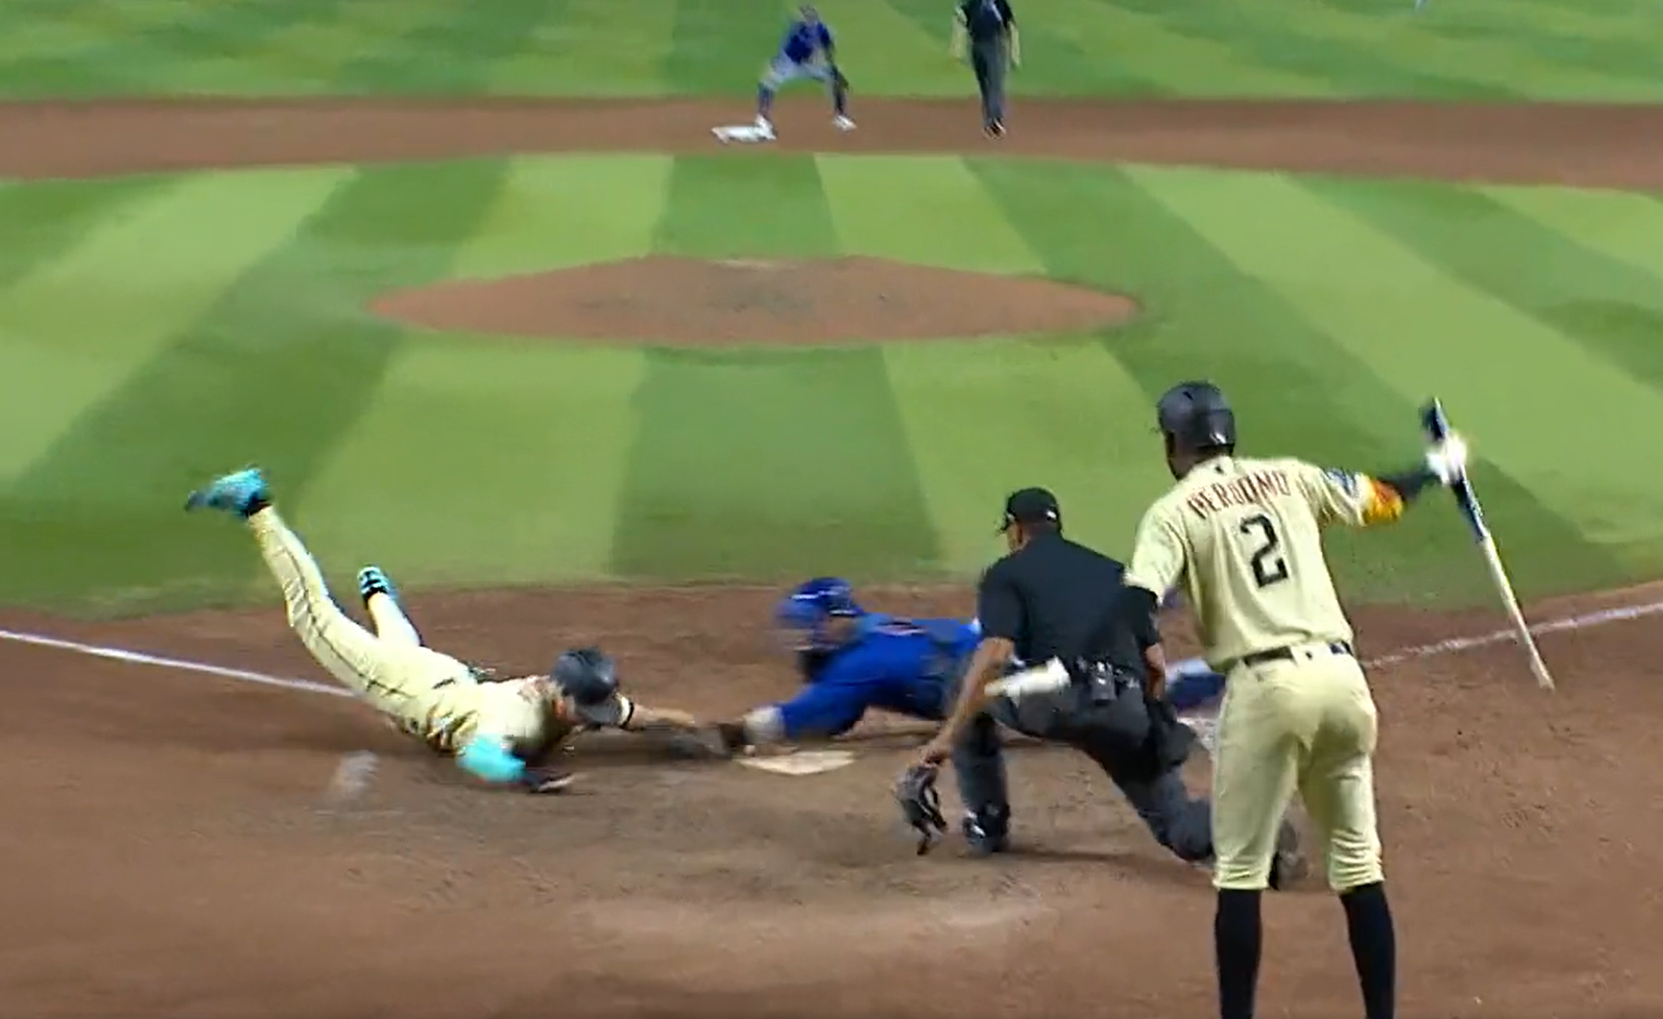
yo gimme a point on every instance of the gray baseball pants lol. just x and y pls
(990, 59)
(1113, 734)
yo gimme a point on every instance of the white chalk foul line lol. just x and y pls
(141, 658)
(1583, 621)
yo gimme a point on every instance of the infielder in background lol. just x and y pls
(500, 731)
(988, 28)
(1244, 538)
(806, 51)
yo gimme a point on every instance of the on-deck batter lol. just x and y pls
(1244, 538)
(501, 731)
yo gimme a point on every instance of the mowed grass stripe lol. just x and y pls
(1618, 225)
(1320, 43)
(721, 47)
(591, 47)
(305, 54)
(765, 463)
(1499, 63)
(723, 206)
(459, 416)
(1057, 58)
(275, 371)
(982, 418)
(30, 32)
(178, 49)
(1296, 392)
(1552, 272)
(80, 325)
(454, 49)
(1427, 333)
(1610, 41)
(482, 462)
(44, 221)
(72, 53)
(565, 211)
(928, 209)
(885, 52)
(1179, 63)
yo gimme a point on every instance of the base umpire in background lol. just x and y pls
(989, 29)
(1054, 598)
(1244, 538)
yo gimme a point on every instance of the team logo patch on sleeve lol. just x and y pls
(1345, 479)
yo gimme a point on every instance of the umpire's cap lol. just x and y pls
(1030, 506)
(1196, 415)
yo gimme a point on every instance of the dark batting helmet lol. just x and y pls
(587, 675)
(1197, 416)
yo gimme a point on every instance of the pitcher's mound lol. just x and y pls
(691, 302)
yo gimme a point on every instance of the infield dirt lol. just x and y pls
(170, 851)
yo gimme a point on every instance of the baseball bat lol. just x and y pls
(1436, 425)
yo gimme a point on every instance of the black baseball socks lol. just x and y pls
(1238, 940)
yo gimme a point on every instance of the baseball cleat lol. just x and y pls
(765, 126)
(242, 492)
(995, 129)
(984, 839)
(372, 581)
(843, 123)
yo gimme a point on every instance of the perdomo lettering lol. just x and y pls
(1248, 490)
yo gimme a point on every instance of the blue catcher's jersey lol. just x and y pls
(899, 665)
(802, 40)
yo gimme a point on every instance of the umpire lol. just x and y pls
(990, 29)
(1054, 598)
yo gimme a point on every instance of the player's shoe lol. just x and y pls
(242, 492)
(843, 123)
(1290, 863)
(987, 833)
(765, 127)
(372, 581)
(995, 129)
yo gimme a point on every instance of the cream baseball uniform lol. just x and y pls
(424, 693)
(1244, 538)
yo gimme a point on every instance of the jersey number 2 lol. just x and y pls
(1268, 565)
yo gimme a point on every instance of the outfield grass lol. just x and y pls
(1486, 49)
(154, 331)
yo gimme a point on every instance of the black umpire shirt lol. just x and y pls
(986, 20)
(1054, 598)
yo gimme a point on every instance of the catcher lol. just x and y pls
(502, 731)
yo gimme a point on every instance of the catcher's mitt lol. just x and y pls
(921, 804)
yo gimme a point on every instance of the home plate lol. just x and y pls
(802, 762)
(742, 133)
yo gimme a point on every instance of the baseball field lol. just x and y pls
(477, 287)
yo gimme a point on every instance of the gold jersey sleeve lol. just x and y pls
(515, 711)
(1243, 538)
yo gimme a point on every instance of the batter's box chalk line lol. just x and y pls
(1201, 723)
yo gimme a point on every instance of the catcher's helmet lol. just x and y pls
(1196, 415)
(587, 675)
(810, 604)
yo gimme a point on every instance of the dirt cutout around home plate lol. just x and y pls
(671, 301)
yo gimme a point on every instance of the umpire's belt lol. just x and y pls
(1103, 682)
(1288, 654)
